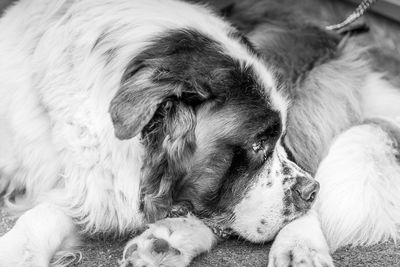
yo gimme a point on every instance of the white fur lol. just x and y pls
(263, 202)
(37, 236)
(359, 200)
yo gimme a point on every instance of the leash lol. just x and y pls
(358, 12)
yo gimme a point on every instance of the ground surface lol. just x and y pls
(233, 253)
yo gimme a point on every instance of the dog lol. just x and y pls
(94, 141)
(115, 112)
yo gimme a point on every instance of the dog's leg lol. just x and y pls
(37, 235)
(359, 201)
(301, 243)
(171, 242)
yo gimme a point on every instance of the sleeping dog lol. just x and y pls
(113, 112)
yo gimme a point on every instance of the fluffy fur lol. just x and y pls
(66, 92)
(365, 194)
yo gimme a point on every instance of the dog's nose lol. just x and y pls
(308, 192)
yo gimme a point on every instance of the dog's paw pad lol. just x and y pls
(160, 246)
(149, 250)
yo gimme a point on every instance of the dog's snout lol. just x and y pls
(307, 192)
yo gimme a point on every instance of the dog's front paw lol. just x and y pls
(171, 242)
(297, 254)
(152, 249)
(301, 243)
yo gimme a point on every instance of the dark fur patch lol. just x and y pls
(163, 90)
(183, 64)
(170, 143)
(289, 42)
(294, 50)
(222, 176)
(186, 73)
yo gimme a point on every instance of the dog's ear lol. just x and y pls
(158, 97)
(160, 92)
(152, 101)
(170, 144)
(137, 100)
(149, 81)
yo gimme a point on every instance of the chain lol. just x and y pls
(360, 10)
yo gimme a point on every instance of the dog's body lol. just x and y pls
(75, 74)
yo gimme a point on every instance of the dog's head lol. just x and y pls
(211, 124)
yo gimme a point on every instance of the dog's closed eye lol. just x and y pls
(261, 148)
(266, 140)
